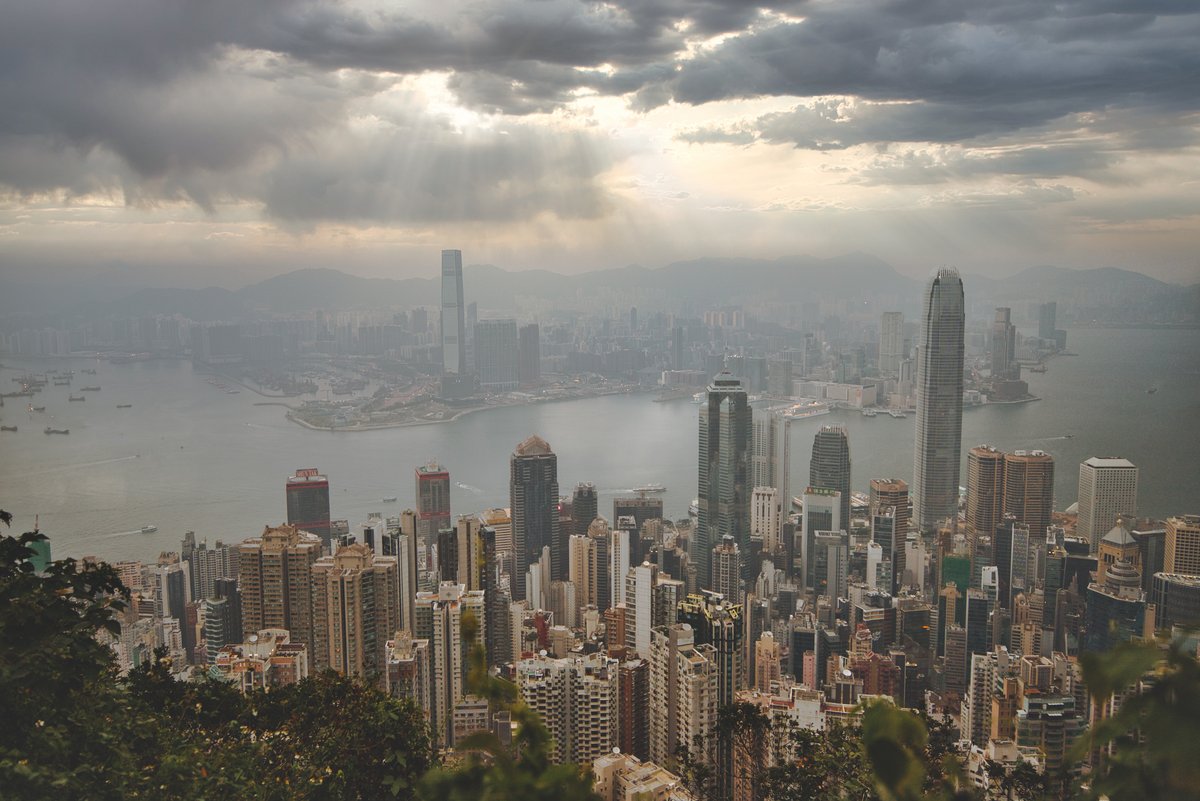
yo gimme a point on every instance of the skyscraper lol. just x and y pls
(939, 402)
(308, 505)
(830, 465)
(497, 354)
(1029, 490)
(891, 342)
(1047, 322)
(724, 473)
(533, 494)
(529, 369)
(891, 492)
(1107, 488)
(585, 508)
(433, 502)
(1004, 345)
(1182, 551)
(454, 324)
(985, 490)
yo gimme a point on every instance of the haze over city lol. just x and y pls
(221, 143)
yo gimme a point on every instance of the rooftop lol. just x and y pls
(1110, 462)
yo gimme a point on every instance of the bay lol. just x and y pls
(188, 456)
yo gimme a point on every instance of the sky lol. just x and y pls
(219, 142)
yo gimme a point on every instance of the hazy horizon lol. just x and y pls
(220, 144)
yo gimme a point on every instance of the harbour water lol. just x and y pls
(188, 456)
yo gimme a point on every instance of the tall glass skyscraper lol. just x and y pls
(454, 326)
(533, 495)
(830, 465)
(937, 460)
(726, 434)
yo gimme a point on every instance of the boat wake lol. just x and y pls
(78, 465)
(468, 488)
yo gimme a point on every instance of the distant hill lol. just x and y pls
(857, 284)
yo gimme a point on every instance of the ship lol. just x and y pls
(390, 499)
(124, 405)
(76, 398)
(897, 413)
(33, 408)
(150, 529)
(869, 412)
(799, 411)
(650, 488)
(8, 428)
(50, 430)
(1151, 390)
(89, 389)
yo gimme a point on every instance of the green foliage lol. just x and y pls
(822, 766)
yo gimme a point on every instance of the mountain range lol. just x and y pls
(852, 283)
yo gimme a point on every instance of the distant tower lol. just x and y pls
(727, 566)
(891, 342)
(308, 506)
(454, 325)
(584, 508)
(533, 494)
(1107, 489)
(724, 473)
(830, 465)
(939, 402)
(529, 355)
(1004, 344)
(1047, 320)
(433, 502)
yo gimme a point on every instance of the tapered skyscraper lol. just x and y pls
(533, 494)
(454, 326)
(939, 402)
(830, 465)
(726, 433)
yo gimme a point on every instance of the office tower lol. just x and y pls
(683, 695)
(779, 378)
(529, 355)
(1181, 551)
(763, 443)
(447, 555)
(577, 699)
(439, 619)
(356, 610)
(831, 564)
(891, 548)
(533, 494)
(1004, 345)
(822, 512)
(891, 493)
(985, 490)
(1047, 320)
(641, 509)
(891, 342)
(1116, 609)
(1107, 488)
(830, 466)
(1114, 546)
(1176, 600)
(724, 474)
(718, 622)
(764, 517)
(172, 590)
(433, 502)
(1013, 557)
(978, 611)
(308, 505)
(727, 570)
(584, 508)
(496, 354)
(454, 326)
(939, 402)
(1029, 489)
(275, 579)
(634, 688)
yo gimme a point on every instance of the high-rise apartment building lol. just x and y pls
(830, 465)
(356, 610)
(307, 495)
(533, 494)
(529, 355)
(1182, 549)
(724, 474)
(683, 695)
(577, 699)
(1107, 489)
(496, 354)
(454, 325)
(939, 402)
(275, 580)
(1029, 489)
(891, 342)
(433, 502)
(439, 619)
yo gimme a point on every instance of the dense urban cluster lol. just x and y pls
(708, 656)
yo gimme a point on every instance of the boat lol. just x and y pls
(897, 413)
(869, 412)
(390, 499)
(89, 389)
(650, 488)
(33, 408)
(8, 428)
(149, 529)
(1151, 390)
(50, 430)
(89, 371)
(76, 398)
(124, 405)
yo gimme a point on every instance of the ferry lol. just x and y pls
(76, 398)
(390, 499)
(897, 413)
(149, 529)
(50, 430)
(650, 488)
(869, 412)
(8, 428)
(800, 411)
(89, 389)
(33, 408)
(124, 405)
